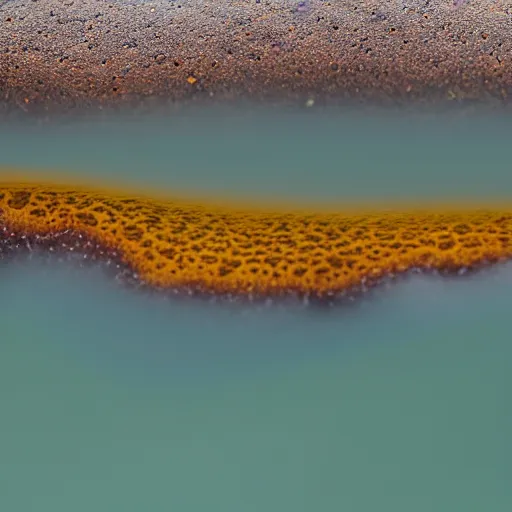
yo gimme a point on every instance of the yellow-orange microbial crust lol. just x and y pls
(216, 250)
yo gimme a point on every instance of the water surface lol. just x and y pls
(116, 401)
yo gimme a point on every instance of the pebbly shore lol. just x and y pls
(68, 54)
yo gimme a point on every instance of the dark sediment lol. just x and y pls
(96, 53)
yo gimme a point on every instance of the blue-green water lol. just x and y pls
(305, 156)
(116, 401)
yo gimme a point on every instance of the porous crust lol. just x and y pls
(222, 250)
(88, 53)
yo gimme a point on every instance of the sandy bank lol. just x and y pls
(96, 52)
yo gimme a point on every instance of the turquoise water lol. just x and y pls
(308, 156)
(117, 401)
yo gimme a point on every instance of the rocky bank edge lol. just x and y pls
(93, 53)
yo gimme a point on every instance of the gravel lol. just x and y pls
(68, 54)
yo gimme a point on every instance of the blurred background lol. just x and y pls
(116, 401)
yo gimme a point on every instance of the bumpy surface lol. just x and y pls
(221, 250)
(99, 52)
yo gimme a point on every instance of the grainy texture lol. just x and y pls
(99, 52)
(210, 250)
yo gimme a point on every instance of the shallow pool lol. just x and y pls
(113, 400)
